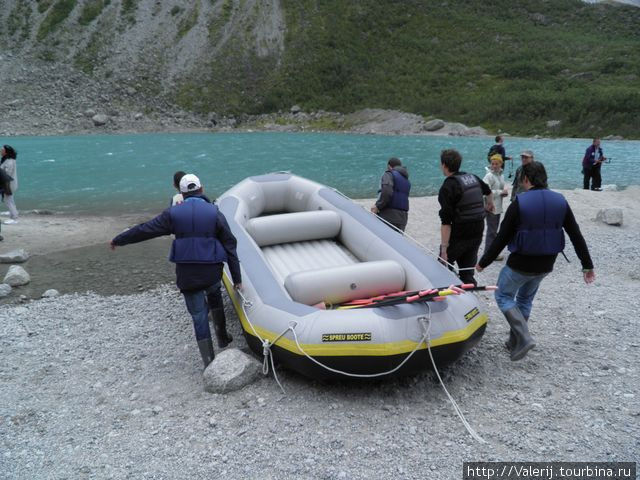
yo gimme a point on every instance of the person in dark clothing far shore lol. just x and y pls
(533, 227)
(462, 215)
(498, 149)
(203, 242)
(392, 204)
(591, 165)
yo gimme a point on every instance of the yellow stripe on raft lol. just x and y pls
(353, 349)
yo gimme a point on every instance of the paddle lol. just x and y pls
(434, 294)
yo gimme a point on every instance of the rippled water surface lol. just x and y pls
(127, 173)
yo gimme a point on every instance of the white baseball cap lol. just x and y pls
(190, 183)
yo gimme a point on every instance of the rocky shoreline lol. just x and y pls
(95, 386)
(70, 102)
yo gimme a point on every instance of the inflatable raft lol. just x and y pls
(311, 258)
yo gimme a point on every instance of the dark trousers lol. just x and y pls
(464, 252)
(493, 222)
(592, 175)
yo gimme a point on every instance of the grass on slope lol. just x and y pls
(508, 65)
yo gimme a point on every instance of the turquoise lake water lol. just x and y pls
(100, 174)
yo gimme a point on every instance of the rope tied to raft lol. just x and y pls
(425, 322)
(266, 344)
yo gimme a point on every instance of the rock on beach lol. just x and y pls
(14, 256)
(231, 370)
(610, 216)
(16, 276)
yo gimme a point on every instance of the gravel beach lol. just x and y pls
(99, 386)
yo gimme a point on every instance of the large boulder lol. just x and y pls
(14, 256)
(231, 370)
(610, 216)
(16, 276)
(4, 290)
(433, 125)
(100, 119)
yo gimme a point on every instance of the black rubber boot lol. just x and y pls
(206, 350)
(523, 340)
(509, 344)
(220, 327)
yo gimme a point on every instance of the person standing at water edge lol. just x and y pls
(5, 188)
(462, 215)
(498, 149)
(591, 165)
(495, 180)
(393, 197)
(203, 241)
(517, 186)
(8, 164)
(533, 227)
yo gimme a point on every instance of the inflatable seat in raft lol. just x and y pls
(309, 256)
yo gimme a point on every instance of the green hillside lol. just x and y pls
(510, 65)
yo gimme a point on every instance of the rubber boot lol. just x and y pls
(220, 327)
(206, 350)
(523, 340)
(509, 344)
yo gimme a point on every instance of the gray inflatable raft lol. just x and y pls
(305, 252)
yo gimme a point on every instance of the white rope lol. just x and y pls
(357, 375)
(266, 345)
(425, 322)
(456, 408)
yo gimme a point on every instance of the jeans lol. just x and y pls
(197, 306)
(517, 290)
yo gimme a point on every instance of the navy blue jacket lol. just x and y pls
(591, 155)
(401, 189)
(534, 264)
(191, 274)
(540, 231)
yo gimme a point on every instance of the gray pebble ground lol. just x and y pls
(111, 388)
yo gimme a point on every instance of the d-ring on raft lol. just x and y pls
(302, 244)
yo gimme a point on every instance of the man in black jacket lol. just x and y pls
(533, 228)
(203, 241)
(461, 214)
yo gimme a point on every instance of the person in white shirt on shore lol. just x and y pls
(495, 180)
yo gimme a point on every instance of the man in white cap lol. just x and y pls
(203, 241)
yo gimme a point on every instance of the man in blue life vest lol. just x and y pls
(462, 208)
(203, 241)
(591, 165)
(533, 227)
(392, 204)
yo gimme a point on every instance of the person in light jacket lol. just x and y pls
(8, 164)
(495, 180)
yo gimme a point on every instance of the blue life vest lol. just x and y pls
(194, 225)
(540, 229)
(470, 208)
(401, 189)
